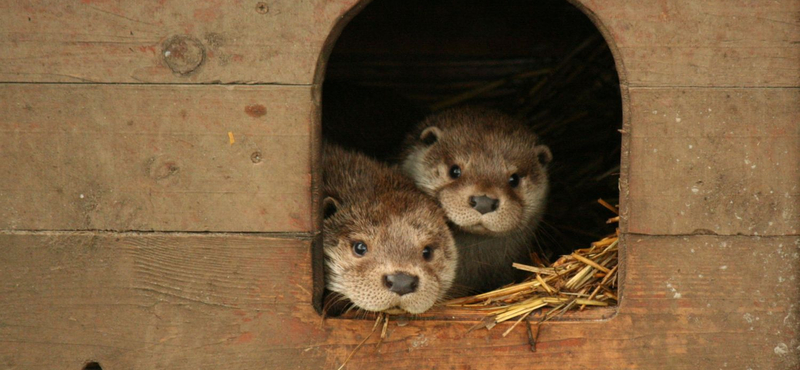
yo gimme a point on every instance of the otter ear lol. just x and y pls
(543, 154)
(430, 135)
(329, 207)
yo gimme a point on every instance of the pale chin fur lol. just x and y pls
(381, 300)
(411, 303)
(481, 229)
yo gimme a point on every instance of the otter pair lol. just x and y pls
(387, 246)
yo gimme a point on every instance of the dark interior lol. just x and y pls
(543, 61)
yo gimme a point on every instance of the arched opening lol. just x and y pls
(542, 61)
(92, 365)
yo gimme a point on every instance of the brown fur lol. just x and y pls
(380, 207)
(489, 147)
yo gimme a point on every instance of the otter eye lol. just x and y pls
(427, 253)
(455, 172)
(513, 180)
(359, 248)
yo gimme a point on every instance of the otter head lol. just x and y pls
(485, 168)
(393, 251)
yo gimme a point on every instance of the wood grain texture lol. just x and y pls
(139, 157)
(724, 161)
(187, 302)
(158, 157)
(123, 41)
(661, 43)
(737, 43)
(142, 301)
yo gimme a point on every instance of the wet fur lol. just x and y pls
(370, 202)
(489, 147)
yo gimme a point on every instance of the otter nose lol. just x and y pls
(401, 283)
(483, 204)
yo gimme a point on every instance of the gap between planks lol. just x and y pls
(304, 236)
(305, 85)
(238, 83)
(710, 234)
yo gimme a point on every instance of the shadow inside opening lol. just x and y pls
(542, 61)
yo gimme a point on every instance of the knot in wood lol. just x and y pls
(262, 8)
(183, 54)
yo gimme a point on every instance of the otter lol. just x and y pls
(489, 173)
(387, 245)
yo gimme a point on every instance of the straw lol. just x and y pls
(574, 281)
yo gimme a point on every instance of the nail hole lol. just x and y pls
(92, 366)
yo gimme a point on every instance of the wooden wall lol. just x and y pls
(156, 210)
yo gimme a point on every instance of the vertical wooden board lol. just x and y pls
(242, 41)
(139, 157)
(186, 302)
(710, 43)
(724, 161)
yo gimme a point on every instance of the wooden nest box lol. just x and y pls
(159, 178)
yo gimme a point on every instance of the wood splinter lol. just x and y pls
(533, 335)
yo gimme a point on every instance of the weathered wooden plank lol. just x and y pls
(126, 41)
(186, 302)
(145, 300)
(709, 43)
(676, 43)
(723, 161)
(144, 157)
(688, 303)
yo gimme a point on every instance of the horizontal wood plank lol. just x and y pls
(723, 161)
(135, 301)
(186, 302)
(127, 41)
(167, 157)
(710, 43)
(677, 43)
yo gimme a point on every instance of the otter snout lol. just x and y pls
(483, 204)
(401, 283)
